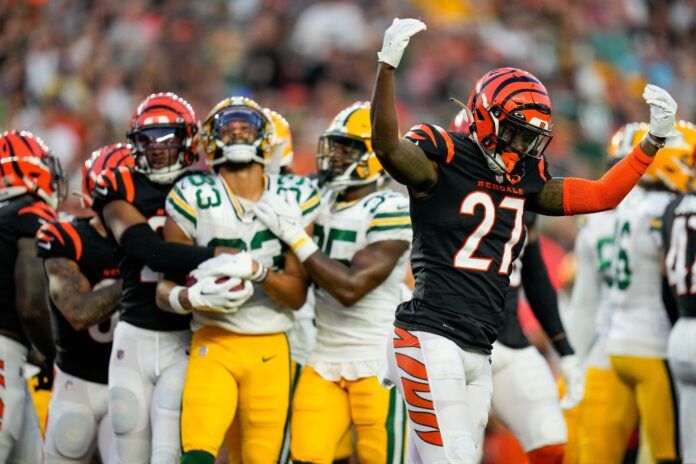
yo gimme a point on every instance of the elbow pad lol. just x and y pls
(144, 244)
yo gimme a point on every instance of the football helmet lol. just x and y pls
(345, 157)
(623, 141)
(28, 166)
(238, 130)
(106, 157)
(509, 117)
(673, 165)
(163, 132)
(282, 147)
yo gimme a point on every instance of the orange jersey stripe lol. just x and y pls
(128, 184)
(428, 132)
(53, 231)
(448, 142)
(406, 338)
(77, 241)
(542, 170)
(38, 211)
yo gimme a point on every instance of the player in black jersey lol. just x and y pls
(84, 290)
(468, 196)
(148, 358)
(31, 185)
(679, 240)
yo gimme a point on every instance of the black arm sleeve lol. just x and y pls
(144, 244)
(542, 297)
(669, 301)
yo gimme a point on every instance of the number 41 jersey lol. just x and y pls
(467, 231)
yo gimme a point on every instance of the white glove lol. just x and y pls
(396, 40)
(285, 222)
(209, 296)
(663, 109)
(574, 379)
(239, 265)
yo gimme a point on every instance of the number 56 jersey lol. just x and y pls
(467, 231)
(207, 210)
(359, 332)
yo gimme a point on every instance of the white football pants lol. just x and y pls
(681, 353)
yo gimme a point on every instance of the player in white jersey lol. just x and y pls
(239, 365)
(363, 237)
(637, 342)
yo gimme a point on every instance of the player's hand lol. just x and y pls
(240, 265)
(396, 40)
(574, 379)
(284, 219)
(219, 295)
(663, 110)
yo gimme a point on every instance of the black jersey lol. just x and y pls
(139, 281)
(84, 354)
(679, 239)
(510, 333)
(20, 217)
(467, 231)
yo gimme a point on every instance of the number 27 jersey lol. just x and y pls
(467, 231)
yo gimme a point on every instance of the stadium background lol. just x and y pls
(72, 71)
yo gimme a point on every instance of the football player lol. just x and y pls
(679, 237)
(148, 357)
(637, 341)
(240, 361)
(31, 186)
(606, 417)
(84, 295)
(364, 235)
(525, 396)
(468, 196)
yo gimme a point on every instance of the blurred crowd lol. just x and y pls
(73, 70)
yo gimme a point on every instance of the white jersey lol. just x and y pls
(359, 333)
(589, 317)
(639, 325)
(208, 212)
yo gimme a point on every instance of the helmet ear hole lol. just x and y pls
(495, 111)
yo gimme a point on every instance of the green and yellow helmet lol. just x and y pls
(283, 151)
(623, 141)
(238, 130)
(345, 155)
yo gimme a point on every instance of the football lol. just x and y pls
(190, 280)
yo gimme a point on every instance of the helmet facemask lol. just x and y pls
(237, 133)
(161, 151)
(344, 162)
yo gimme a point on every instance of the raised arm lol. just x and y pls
(73, 296)
(569, 196)
(402, 159)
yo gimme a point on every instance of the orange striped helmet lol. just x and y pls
(510, 117)
(28, 166)
(163, 132)
(106, 157)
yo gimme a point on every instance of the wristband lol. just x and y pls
(174, 300)
(655, 141)
(260, 275)
(304, 247)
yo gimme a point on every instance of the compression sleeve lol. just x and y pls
(542, 297)
(581, 196)
(145, 245)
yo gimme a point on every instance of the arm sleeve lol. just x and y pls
(584, 301)
(581, 196)
(542, 297)
(145, 245)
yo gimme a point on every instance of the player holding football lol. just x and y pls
(149, 354)
(638, 339)
(84, 295)
(240, 361)
(679, 241)
(31, 186)
(468, 196)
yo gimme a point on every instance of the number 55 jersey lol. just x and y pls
(467, 231)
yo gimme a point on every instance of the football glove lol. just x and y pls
(218, 296)
(663, 109)
(396, 39)
(285, 222)
(574, 379)
(239, 265)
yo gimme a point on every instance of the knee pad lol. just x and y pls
(123, 409)
(552, 454)
(73, 434)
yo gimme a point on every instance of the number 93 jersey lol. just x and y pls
(640, 325)
(206, 210)
(467, 231)
(359, 333)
